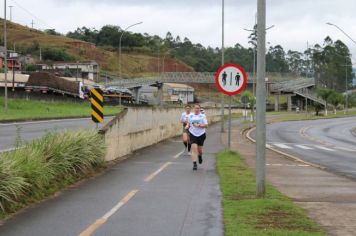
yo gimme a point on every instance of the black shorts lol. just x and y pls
(197, 140)
(184, 129)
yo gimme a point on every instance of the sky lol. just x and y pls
(297, 23)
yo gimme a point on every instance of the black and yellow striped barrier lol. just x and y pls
(97, 105)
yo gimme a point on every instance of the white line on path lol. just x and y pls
(178, 155)
(304, 147)
(99, 222)
(346, 149)
(324, 148)
(281, 145)
(154, 174)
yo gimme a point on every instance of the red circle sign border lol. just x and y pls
(244, 82)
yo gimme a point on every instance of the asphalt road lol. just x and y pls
(154, 192)
(31, 130)
(327, 142)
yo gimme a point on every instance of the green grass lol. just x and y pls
(290, 116)
(46, 165)
(21, 109)
(244, 214)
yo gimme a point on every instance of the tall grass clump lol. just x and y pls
(46, 165)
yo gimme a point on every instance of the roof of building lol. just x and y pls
(179, 86)
(76, 63)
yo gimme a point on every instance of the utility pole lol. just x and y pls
(32, 23)
(5, 56)
(222, 62)
(261, 100)
(347, 87)
(11, 12)
(76, 78)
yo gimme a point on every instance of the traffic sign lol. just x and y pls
(97, 105)
(231, 79)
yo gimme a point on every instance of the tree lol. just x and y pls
(296, 62)
(331, 64)
(325, 94)
(335, 99)
(276, 60)
(52, 32)
(252, 102)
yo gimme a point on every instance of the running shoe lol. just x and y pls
(200, 157)
(195, 166)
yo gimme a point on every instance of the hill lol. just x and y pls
(28, 41)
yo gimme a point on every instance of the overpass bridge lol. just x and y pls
(300, 91)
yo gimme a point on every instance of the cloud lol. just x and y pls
(296, 22)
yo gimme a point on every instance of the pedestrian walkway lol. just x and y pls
(154, 192)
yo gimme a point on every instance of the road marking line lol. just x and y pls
(346, 149)
(304, 165)
(99, 222)
(154, 174)
(178, 155)
(304, 147)
(281, 145)
(324, 148)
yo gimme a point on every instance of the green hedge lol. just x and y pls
(46, 165)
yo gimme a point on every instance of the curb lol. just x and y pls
(286, 155)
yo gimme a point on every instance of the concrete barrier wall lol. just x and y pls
(136, 128)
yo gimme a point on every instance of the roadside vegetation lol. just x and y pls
(244, 214)
(38, 169)
(21, 109)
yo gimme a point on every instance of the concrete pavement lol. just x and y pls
(154, 192)
(329, 199)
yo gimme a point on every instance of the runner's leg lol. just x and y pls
(200, 148)
(189, 144)
(194, 155)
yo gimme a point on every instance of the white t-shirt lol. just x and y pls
(195, 121)
(185, 117)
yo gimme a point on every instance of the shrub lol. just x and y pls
(39, 168)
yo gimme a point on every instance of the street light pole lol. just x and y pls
(331, 24)
(342, 31)
(5, 57)
(222, 62)
(123, 32)
(261, 100)
(11, 12)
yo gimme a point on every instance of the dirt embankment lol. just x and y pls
(52, 81)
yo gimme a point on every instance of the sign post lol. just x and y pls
(231, 79)
(97, 105)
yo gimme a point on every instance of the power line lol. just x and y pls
(31, 14)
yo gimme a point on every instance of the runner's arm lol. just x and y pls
(204, 124)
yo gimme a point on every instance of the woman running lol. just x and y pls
(197, 129)
(185, 137)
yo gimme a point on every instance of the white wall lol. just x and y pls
(135, 128)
